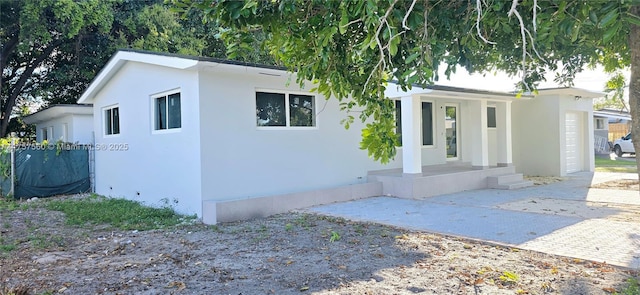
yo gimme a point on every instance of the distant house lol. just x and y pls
(65, 122)
(228, 140)
(611, 124)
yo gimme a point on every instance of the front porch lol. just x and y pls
(445, 179)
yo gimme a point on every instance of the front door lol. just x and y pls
(451, 131)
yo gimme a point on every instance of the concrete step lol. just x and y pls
(508, 181)
(514, 185)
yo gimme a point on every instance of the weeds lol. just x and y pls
(46, 242)
(509, 277)
(632, 287)
(335, 236)
(304, 221)
(6, 247)
(119, 213)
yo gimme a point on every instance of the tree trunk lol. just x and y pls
(18, 87)
(634, 83)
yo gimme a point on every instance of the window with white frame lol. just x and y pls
(491, 117)
(167, 113)
(45, 133)
(599, 122)
(112, 120)
(427, 122)
(278, 109)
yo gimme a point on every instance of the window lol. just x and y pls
(285, 110)
(599, 123)
(167, 111)
(491, 117)
(45, 134)
(112, 121)
(427, 122)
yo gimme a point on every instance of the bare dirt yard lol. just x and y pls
(292, 253)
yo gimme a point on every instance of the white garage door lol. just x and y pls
(573, 140)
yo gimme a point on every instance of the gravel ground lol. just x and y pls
(291, 253)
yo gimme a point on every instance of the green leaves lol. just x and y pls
(350, 49)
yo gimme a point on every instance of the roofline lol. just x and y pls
(176, 61)
(207, 59)
(609, 114)
(434, 87)
(583, 93)
(41, 115)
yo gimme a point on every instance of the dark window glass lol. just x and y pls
(167, 112)
(112, 121)
(116, 121)
(173, 106)
(399, 121)
(427, 123)
(270, 109)
(491, 117)
(161, 113)
(301, 110)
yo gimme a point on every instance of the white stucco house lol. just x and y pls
(227, 140)
(66, 122)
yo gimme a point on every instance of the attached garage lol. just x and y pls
(553, 132)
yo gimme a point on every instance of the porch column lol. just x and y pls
(503, 128)
(411, 140)
(478, 134)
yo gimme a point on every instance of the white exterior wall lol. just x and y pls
(539, 134)
(536, 139)
(157, 169)
(57, 125)
(241, 161)
(78, 128)
(81, 129)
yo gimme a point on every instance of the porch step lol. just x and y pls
(508, 181)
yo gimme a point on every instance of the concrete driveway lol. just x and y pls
(565, 218)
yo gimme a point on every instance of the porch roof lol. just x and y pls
(394, 91)
(57, 110)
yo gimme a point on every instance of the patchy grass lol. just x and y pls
(119, 213)
(609, 165)
(632, 287)
(6, 247)
(10, 204)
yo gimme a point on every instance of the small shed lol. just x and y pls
(553, 133)
(65, 122)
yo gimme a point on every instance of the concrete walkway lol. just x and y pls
(565, 218)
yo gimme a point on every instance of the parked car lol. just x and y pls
(623, 145)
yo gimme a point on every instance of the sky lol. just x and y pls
(593, 80)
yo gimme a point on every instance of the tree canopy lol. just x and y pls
(50, 50)
(351, 49)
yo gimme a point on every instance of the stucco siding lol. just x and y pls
(536, 142)
(539, 134)
(157, 168)
(240, 160)
(81, 129)
(56, 125)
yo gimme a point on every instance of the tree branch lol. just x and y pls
(479, 9)
(406, 16)
(523, 32)
(19, 85)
